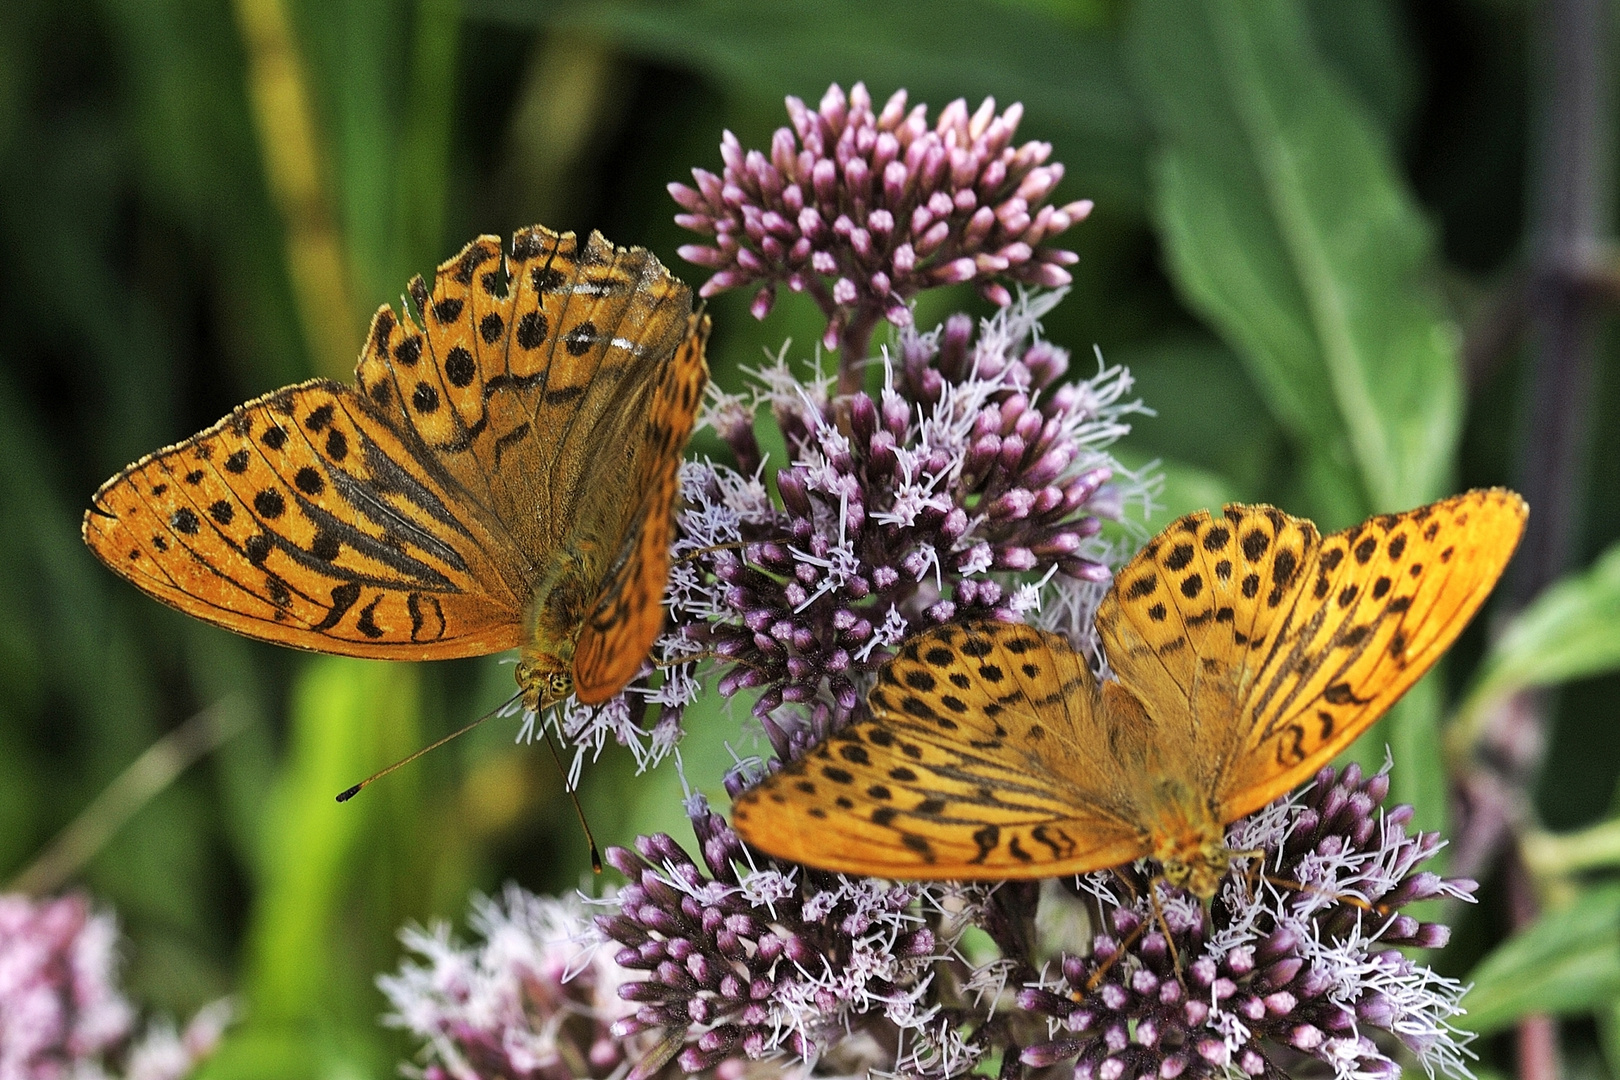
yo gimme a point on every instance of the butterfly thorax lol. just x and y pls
(1188, 842)
(561, 602)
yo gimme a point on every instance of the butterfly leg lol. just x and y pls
(1338, 898)
(1130, 939)
(731, 545)
(1169, 938)
(1254, 871)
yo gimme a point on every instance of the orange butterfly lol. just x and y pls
(504, 474)
(1246, 651)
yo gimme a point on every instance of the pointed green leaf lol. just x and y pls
(1289, 228)
(1571, 631)
(1567, 963)
(1068, 79)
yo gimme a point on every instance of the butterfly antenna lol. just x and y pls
(349, 793)
(573, 797)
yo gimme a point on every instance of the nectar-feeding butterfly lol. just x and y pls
(1245, 652)
(502, 475)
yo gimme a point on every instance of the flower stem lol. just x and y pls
(852, 351)
(146, 777)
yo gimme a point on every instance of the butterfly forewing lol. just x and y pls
(972, 767)
(529, 371)
(301, 519)
(1277, 648)
(1375, 610)
(1186, 615)
(621, 629)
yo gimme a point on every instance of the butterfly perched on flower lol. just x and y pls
(1245, 651)
(502, 475)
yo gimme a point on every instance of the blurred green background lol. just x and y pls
(1313, 245)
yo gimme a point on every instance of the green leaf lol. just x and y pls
(1370, 45)
(1570, 631)
(1288, 227)
(358, 60)
(1567, 963)
(1068, 79)
(424, 143)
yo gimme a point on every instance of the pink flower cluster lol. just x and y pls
(61, 1012)
(533, 999)
(863, 210)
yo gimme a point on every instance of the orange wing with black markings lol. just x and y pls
(414, 514)
(970, 768)
(621, 628)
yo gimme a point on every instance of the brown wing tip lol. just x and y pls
(465, 263)
(699, 325)
(1512, 499)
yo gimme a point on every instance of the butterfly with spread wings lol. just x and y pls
(502, 475)
(1246, 650)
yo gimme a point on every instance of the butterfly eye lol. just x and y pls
(559, 685)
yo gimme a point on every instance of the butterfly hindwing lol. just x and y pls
(620, 630)
(969, 768)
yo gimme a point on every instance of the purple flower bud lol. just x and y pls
(1015, 557)
(1042, 1055)
(763, 300)
(996, 293)
(701, 255)
(978, 230)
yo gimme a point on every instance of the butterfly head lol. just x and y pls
(1198, 871)
(543, 680)
(1191, 849)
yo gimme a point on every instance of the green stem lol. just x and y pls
(146, 777)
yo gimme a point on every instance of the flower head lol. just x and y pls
(61, 1011)
(534, 999)
(973, 484)
(864, 209)
(745, 961)
(1296, 958)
